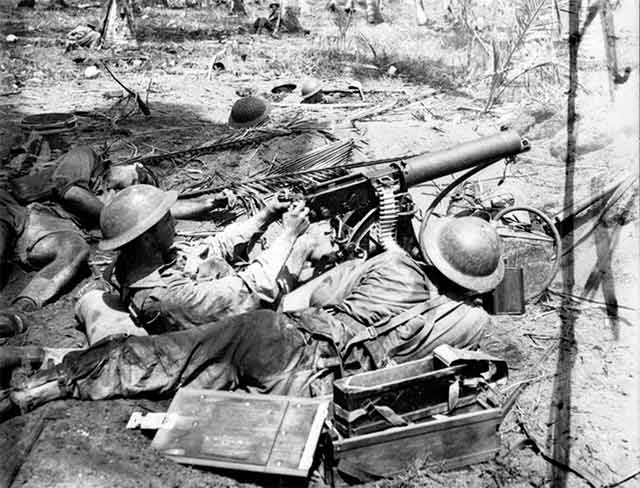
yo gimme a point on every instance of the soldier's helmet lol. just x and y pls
(466, 250)
(131, 213)
(310, 88)
(249, 112)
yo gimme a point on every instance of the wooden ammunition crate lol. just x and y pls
(447, 442)
(249, 432)
(413, 391)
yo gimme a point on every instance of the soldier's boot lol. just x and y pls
(16, 356)
(32, 357)
(43, 387)
(13, 322)
(7, 408)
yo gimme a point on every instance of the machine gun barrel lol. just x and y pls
(464, 156)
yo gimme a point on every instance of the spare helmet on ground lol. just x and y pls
(311, 91)
(249, 112)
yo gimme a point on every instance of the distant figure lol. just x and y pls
(271, 23)
(82, 36)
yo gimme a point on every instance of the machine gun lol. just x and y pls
(361, 201)
(377, 204)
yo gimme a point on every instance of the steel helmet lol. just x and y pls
(248, 112)
(131, 213)
(467, 250)
(284, 87)
(309, 88)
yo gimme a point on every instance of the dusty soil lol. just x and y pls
(595, 411)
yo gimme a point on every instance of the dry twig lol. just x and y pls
(579, 298)
(623, 480)
(535, 447)
(142, 105)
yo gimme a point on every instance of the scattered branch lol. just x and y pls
(587, 299)
(368, 43)
(622, 481)
(142, 105)
(535, 447)
(528, 22)
(591, 15)
(510, 81)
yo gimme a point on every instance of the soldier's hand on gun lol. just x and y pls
(296, 219)
(225, 199)
(232, 198)
(276, 207)
(321, 242)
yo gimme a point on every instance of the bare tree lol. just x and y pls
(560, 411)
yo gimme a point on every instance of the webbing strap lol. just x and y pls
(372, 332)
(387, 413)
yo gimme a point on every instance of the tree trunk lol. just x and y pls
(373, 12)
(609, 35)
(560, 431)
(290, 20)
(421, 16)
(117, 28)
(290, 17)
(237, 8)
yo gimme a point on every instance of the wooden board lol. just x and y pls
(262, 433)
(453, 442)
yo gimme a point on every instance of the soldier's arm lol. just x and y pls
(198, 207)
(83, 202)
(73, 177)
(235, 238)
(198, 302)
(390, 283)
(192, 303)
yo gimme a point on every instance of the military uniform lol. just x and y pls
(31, 220)
(285, 353)
(32, 223)
(28, 221)
(80, 166)
(179, 295)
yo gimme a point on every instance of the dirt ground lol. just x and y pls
(582, 364)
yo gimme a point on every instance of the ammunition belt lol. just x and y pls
(388, 209)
